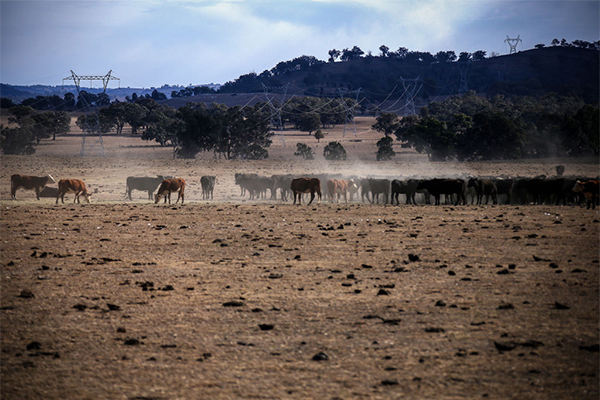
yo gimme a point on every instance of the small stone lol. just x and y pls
(320, 357)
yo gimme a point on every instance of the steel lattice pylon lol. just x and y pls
(411, 89)
(513, 43)
(349, 110)
(97, 146)
(275, 119)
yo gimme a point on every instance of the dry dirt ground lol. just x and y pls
(237, 299)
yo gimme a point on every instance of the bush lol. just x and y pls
(334, 151)
(304, 151)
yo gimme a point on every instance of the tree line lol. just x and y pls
(470, 127)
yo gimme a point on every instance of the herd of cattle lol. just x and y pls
(538, 190)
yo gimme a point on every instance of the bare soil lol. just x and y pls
(231, 299)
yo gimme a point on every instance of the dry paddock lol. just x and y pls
(232, 299)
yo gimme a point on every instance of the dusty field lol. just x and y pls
(233, 299)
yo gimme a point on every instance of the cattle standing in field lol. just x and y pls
(365, 189)
(379, 186)
(283, 183)
(167, 187)
(504, 186)
(208, 185)
(143, 183)
(408, 188)
(447, 187)
(589, 190)
(256, 185)
(76, 186)
(36, 183)
(339, 187)
(484, 187)
(306, 185)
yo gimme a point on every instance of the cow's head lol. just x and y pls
(86, 196)
(156, 198)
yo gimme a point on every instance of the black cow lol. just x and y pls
(143, 183)
(379, 186)
(484, 187)
(283, 183)
(365, 189)
(407, 187)
(447, 187)
(504, 186)
(208, 185)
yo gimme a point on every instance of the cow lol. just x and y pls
(379, 186)
(241, 179)
(447, 187)
(406, 187)
(49, 192)
(208, 185)
(484, 187)
(167, 187)
(143, 183)
(339, 187)
(365, 189)
(306, 185)
(504, 186)
(76, 186)
(27, 182)
(589, 190)
(256, 185)
(282, 182)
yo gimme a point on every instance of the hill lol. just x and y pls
(386, 83)
(562, 70)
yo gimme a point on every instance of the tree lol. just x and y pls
(304, 151)
(157, 96)
(333, 55)
(51, 123)
(309, 122)
(429, 135)
(6, 102)
(539, 46)
(319, 135)
(492, 136)
(17, 140)
(352, 54)
(334, 151)
(230, 132)
(384, 50)
(387, 123)
(385, 151)
(479, 55)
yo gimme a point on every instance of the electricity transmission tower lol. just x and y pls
(276, 112)
(349, 110)
(411, 89)
(463, 68)
(90, 146)
(512, 43)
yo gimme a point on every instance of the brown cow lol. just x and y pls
(339, 187)
(306, 185)
(167, 187)
(36, 183)
(589, 190)
(76, 186)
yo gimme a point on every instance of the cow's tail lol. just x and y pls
(126, 189)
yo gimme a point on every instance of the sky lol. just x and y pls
(151, 43)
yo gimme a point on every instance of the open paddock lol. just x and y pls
(230, 299)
